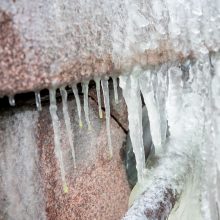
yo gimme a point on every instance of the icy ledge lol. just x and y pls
(183, 182)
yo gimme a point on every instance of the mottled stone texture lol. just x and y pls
(52, 43)
(98, 188)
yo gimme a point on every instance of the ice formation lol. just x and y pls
(11, 101)
(38, 101)
(115, 86)
(105, 90)
(68, 123)
(75, 92)
(189, 164)
(57, 137)
(97, 83)
(85, 87)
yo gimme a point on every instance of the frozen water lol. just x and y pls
(105, 90)
(85, 87)
(68, 123)
(75, 92)
(189, 165)
(97, 82)
(38, 101)
(115, 86)
(11, 101)
(131, 93)
(57, 136)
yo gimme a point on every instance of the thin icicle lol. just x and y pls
(38, 101)
(152, 108)
(85, 87)
(97, 82)
(57, 136)
(11, 100)
(115, 85)
(67, 123)
(105, 90)
(131, 93)
(75, 92)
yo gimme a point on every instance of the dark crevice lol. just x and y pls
(112, 116)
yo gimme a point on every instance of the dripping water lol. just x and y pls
(57, 136)
(68, 123)
(105, 90)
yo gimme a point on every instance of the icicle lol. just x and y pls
(85, 87)
(174, 99)
(115, 85)
(105, 90)
(67, 123)
(38, 101)
(57, 138)
(161, 95)
(152, 108)
(131, 93)
(97, 82)
(75, 92)
(11, 100)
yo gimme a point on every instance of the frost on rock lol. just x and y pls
(188, 170)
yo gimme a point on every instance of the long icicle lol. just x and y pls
(105, 90)
(75, 92)
(38, 101)
(97, 82)
(85, 87)
(115, 86)
(67, 123)
(131, 93)
(152, 108)
(57, 136)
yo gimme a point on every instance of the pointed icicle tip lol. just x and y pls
(11, 101)
(65, 188)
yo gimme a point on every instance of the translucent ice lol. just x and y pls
(97, 82)
(105, 90)
(57, 136)
(85, 87)
(68, 123)
(38, 101)
(131, 93)
(75, 92)
(11, 100)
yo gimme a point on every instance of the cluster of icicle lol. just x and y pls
(186, 98)
(56, 124)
